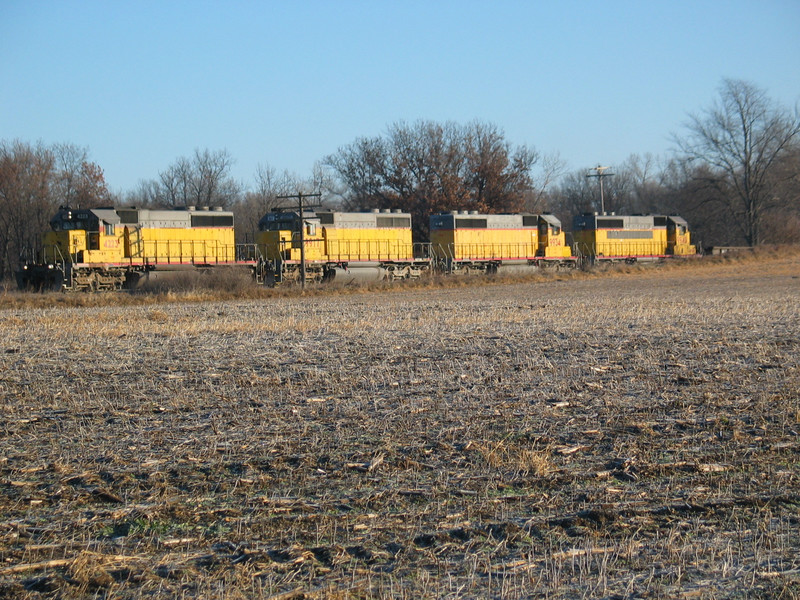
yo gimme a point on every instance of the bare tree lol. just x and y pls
(576, 194)
(645, 184)
(742, 139)
(697, 201)
(782, 225)
(324, 180)
(430, 167)
(176, 184)
(28, 198)
(203, 180)
(67, 161)
(146, 194)
(550, 168)
(260, 200)
(270, 185)
(212, 184)
(77, 181)
(494, 173)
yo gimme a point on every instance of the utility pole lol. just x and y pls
(600, 172)
(299, 197)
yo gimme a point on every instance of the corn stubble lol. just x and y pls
(631, 436)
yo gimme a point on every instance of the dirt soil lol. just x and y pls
(628, 436)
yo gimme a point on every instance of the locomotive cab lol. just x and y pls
(678, 237)
(82, 236)
(551, 238)
(279, 237)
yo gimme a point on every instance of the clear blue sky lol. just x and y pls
(141, 83)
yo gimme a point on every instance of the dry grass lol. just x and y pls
(632, 435)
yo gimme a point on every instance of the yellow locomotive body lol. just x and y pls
(629, 238)
(105, 248)
(462, 241)
(328, 244)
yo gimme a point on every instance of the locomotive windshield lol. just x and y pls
(67, 219)
(284, 221)
(552, 222)
(674, 222)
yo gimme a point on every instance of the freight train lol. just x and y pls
(113, 248)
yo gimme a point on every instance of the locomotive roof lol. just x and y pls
(342, 219)
(67, 214)
(109, 215)
(551, 219)
(474, 219)
(365, 220)
(615, 221)
(282, 215)
(678, 220)
(69, 218)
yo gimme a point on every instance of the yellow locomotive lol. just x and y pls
(108, 248)
(326, 245)
(630, 238)
(467, 241)
(112, 248)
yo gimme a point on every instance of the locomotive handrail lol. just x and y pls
(628, 249)
(350, 250)
(61, 260)
(488, 251)
(56, 256)
(445, 251)
(189, 252)
(422, 250)
(248, 252)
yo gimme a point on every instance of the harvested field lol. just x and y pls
(629, 436)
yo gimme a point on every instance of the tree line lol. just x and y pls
(734, 175)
